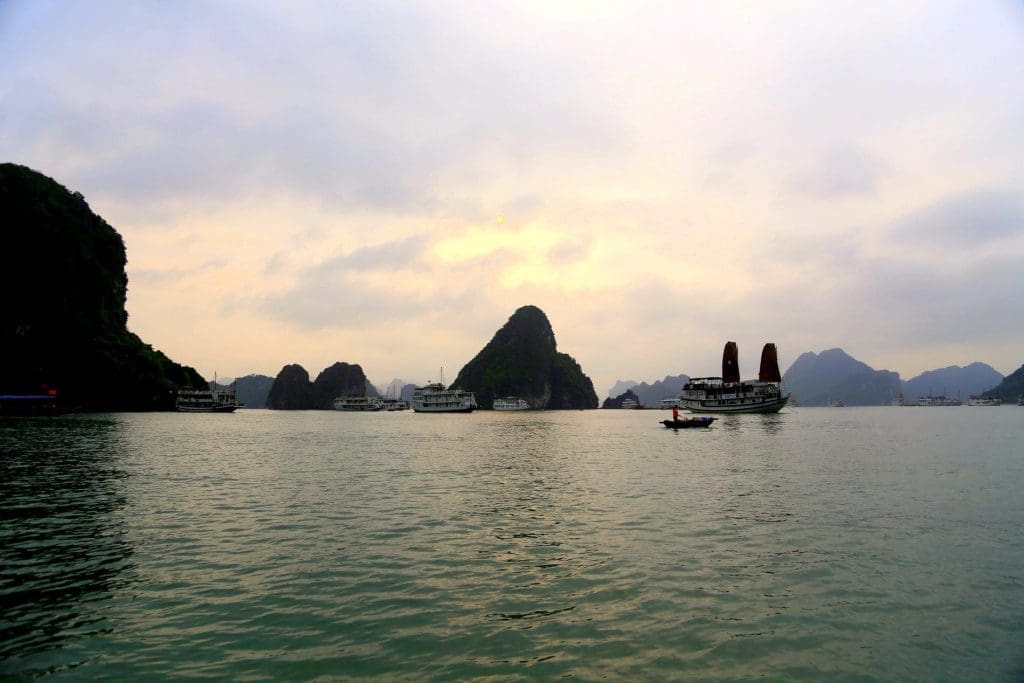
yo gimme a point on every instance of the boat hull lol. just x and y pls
(214, 409)
(506, 404)
(431, 409)
(689, 423)
(772, 405)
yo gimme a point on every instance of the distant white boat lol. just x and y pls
(836, 403)
(979, 401)
(511, 403)
(391, 404)
(358, 403)
(938, 401)
(669, 403)
(629, 404)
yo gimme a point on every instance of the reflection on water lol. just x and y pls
(769, 423)
(61, 531)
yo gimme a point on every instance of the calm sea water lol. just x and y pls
(817, 544)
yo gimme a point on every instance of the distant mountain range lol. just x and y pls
(620, 387)
(954, 381)
(648, 395)
(815, 379)
(833, 375)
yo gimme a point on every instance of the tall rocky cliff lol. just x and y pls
(292, 389)
(523, 360)
(63, 323)
(1010, 388)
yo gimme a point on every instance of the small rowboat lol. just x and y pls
(688, 422)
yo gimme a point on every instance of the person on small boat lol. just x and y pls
(675, 413)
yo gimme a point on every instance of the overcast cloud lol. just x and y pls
(385, 183)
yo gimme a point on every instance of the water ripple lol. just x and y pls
(324, 546)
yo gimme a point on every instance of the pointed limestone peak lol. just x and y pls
(527, 322)
(522, 360)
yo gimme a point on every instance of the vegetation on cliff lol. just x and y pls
(64, 324)
(616, 402)
(1010, 388)
(522, 360)
(292, 389)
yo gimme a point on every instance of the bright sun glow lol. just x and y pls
(475, 243)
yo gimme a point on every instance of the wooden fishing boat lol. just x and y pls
(689, 422)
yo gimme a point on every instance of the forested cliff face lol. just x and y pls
(63, 323)
(523, 360)
(1010, 388)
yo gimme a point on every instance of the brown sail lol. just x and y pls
(731, 363)
(769, 365)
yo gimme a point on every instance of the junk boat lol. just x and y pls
(358, 403)
(434, 398)
(689, 422)
(511, 403)
(727, 394)
(209, 401)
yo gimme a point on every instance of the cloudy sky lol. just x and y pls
(385, 183)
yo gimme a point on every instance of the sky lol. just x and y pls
(385, 183)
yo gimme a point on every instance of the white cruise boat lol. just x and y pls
(669, 403)
(206, 401)
(979, 401)
(358, 403)
(434, 398)
(938, 401)
(511, 403)
(391, 404)
(727, 394)
(629, 404)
